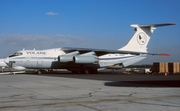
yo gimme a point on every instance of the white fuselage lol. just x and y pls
(48, 59)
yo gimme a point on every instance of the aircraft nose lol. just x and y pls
(6, 60)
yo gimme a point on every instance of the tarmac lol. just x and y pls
(89, 92)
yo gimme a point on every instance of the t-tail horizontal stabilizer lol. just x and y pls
(154, 25)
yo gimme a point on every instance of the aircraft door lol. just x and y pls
(27, 62)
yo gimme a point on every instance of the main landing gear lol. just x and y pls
(41, 71)
(85, 71)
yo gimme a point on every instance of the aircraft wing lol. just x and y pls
(100, 52)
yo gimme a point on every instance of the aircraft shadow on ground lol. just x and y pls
(123, 80)
(174, 83)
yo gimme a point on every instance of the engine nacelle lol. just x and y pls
(19, 68)
(65, 58)
(85, 59)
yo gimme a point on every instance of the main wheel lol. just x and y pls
(39, 72)
(94, 71)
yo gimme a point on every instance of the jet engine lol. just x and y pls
(85, 59)
(65, 58)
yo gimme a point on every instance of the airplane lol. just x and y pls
(87, 60)
(3, 64)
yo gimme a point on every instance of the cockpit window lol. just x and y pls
(16, 54)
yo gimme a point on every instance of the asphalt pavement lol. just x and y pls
(89, 92)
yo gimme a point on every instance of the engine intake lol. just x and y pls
(65, 58)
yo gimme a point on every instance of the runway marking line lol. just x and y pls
(86, 102)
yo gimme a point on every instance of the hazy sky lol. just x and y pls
(102, 24)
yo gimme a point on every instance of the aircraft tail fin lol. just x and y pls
(140, 39)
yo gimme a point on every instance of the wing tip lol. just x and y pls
(163, 54)
(172, 23)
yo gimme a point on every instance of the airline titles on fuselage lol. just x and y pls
(39, 53)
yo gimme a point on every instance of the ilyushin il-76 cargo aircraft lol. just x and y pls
(86, 60)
